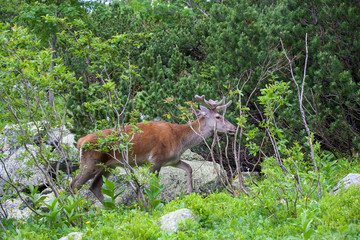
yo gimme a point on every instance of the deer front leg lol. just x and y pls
(187, 168)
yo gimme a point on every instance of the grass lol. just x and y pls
(220, 216)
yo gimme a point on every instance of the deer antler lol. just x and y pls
(213, 105)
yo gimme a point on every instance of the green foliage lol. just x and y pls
(10, 226)
(153, 191)
(220, 216)
(290, 177)
(304, 224)
(33, 15)
(340, 215)
(53, 215)
(273, 96)
(108, 189)
(26, 77)
(9, 10)
(71, 206)
(333, 69)
(107, 75)
(62, 210)
(35, 197)
(29, 77)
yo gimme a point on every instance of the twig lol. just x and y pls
(300, 97)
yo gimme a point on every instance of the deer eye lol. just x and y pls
(217, 117)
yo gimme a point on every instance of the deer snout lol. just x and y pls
(231, 130)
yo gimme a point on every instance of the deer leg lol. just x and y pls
(73, 184)
(87, 173)
(96, 184)
(156, 169)
(187, 168)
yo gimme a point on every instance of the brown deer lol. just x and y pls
(160, 143)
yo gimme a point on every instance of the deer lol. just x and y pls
(157, 142)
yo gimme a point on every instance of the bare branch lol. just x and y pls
(300, 97)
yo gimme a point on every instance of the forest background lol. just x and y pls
(98, 65)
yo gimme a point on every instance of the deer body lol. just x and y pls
(160, 143)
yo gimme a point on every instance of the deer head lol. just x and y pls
(213, 119)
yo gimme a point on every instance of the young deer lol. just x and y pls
(160, 143)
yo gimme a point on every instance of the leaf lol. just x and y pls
(149, 193)
(308, 234)
(158, 206)
(108, 203)
(107, 191)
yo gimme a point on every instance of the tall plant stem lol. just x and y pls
(300, 90)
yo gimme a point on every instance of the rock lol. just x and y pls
(49, 196)
(38, 133)
(73, 236)
(350, 180)
(20, 168)
(10, 133)
(171, 220)
(250, 174)
(8, 140)
(15, 208)
(188, 155)
(205, 180)
(61, 136)
(18, 160)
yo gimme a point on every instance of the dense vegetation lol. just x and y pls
(291, 68)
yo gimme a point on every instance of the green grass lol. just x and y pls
(219, 216)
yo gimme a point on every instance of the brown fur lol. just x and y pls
(160, 143)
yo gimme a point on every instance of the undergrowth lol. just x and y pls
(218, 216)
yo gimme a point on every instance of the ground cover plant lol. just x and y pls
(219, 216)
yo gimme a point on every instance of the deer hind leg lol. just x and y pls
(156, 169)
(187, 168)
(97, 183)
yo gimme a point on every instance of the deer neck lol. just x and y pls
(194, 133)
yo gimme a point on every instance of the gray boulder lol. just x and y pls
(24, 164)
(205, 180)
(38, 133)
(188, 155)
(73, 236)
(170, 221)
(14, 208)
(350, 180)
(20, 168)
(62, 136)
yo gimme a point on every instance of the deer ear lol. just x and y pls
(200, 112)
(204, 109)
